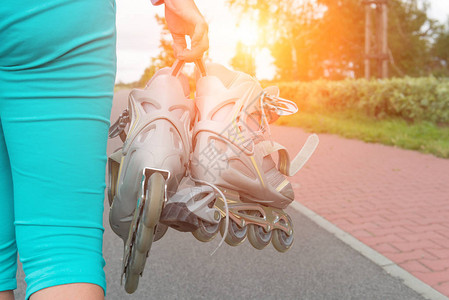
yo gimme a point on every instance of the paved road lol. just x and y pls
(319, 266)
(393, 200)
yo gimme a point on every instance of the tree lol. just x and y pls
(243, 60)
(312, 39)
(341, 37)
(440, 52)
(410, 31)
(166, 56)
(287, 26)
(410, 35)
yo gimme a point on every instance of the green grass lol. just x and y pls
(425, 137)
(119, 87)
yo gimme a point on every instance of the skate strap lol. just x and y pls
(116, 156)
(179, 64)
(177, 67)
(118, 128)
(201, 67)
(286, 166)
(269, 147)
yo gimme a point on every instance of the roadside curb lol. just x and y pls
(389, 266)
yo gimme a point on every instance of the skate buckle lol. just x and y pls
(119, 126)
(281, 106)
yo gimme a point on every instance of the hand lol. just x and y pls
(183, 18)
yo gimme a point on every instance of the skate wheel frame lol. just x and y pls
(142, 229)
(260, 223)
(244, 214)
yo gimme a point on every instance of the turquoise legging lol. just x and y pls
(57, 71)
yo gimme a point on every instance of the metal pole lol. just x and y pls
(384, 40)
(367, 39)
(379, 39)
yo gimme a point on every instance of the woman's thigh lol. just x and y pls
(8, 248)
(56, 92)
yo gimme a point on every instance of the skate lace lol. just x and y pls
(278, 105)
(226, 209)
(264, 124)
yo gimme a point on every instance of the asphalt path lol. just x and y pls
(319, 266)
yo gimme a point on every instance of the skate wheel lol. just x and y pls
(133, 271)
(131, 283)
(206, 231)
(145, 220)
(159, 231)
(257, 235)
(155, 195)
(154, 199)
(144, 238)
(281, 240)
(236, 234)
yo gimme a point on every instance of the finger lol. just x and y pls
(199, 46)
(201, 29)
(179, 43)
(195, 53)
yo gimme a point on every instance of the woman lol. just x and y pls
(57, 72)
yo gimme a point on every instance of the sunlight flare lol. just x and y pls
(248, 32)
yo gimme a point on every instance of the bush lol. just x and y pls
(412, 99)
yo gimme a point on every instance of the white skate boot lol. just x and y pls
(147, 170)
(231, 151)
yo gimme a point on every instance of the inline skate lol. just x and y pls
(232, 150)
(148, 168)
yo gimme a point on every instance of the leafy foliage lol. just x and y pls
(410, 34)
(314, 39)
(440, 51)
(166, 56)
(243, 60)
(412, 99)
(426, 137)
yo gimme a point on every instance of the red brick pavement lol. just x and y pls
(395, 201)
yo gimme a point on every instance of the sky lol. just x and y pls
(138, 35)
